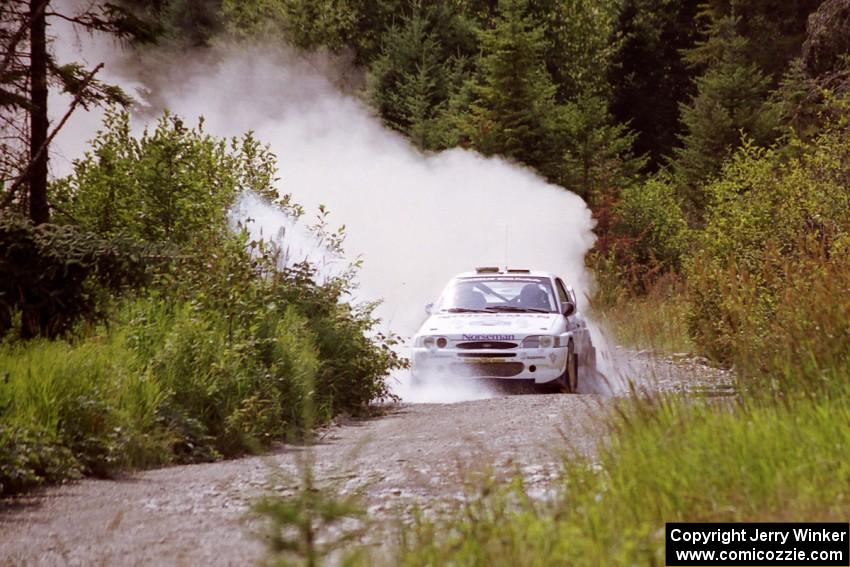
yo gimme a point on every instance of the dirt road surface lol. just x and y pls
(417, 454)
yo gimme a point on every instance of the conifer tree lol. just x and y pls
(29, 69)
(513, 94)
(423, 63)
(649, 77)
(597, 152)
(729, 104)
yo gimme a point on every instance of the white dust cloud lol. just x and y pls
(293, 240)
(415, 219)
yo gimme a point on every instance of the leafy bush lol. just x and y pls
(651, 229)
(180, 383)
(223, 353)
(170, 185)
(767, 285)
(52, 276)
(30, 457)
(89, 404)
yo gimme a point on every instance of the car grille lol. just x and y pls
(488, 370)
(486, 354)
(495, 345)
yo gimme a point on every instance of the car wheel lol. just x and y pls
(569, 380)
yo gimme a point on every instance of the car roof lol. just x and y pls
(490, 272)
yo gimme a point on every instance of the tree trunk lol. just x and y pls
(39, 209)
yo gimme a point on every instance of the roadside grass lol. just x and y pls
(167, 383)
(668, 460)
(655, 321)
(159, 385)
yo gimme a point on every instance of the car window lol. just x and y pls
(562, 291)
(500, 293)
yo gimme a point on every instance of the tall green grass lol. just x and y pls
(667, 461)
(655, 319)
(162, 384)
(88, 407)
(655, 322)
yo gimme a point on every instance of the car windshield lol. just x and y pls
(499, 294)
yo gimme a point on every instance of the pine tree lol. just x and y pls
(29, 66)
(729, 104)
(648, 76)
(597, 151)
(422, 64)
(775, 29)
(513, 94)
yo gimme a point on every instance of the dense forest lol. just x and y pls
(710, 138)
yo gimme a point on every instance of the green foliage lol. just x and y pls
(513, 93)
(777, 232)
(597, 153)
(182, 382)
(669, 461)
(652, 228)
(54, 276)
(774, 29)
(579, 44)
(423, 63)
(256, 18)
(655, 319)
(225, 351)
(87, 407)
(336, 25)
(171, 185)
(648, 76)
(729, 103)
(29, 457)
(311, 525)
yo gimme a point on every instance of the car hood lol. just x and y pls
(484, 326)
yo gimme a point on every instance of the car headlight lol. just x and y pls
(431, 342)
(540, 341)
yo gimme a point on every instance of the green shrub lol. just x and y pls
(183, 383)
(767, 284)
(222, 354)
(173, 184)
(30, 457)
(53, 276)
(244, 386)
(89, 403)
(651, 225)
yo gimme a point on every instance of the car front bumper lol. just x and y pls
(541, 365)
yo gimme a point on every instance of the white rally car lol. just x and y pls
(513, 325)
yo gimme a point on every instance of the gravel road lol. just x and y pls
(416, 454)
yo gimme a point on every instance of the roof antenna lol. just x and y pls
(506, 246)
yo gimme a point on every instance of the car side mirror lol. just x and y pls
(567, 308)
(429, 308)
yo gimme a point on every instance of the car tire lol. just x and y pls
(569, 380)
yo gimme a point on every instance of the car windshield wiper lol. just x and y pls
(463, 310)
(517, 309)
